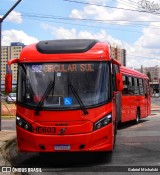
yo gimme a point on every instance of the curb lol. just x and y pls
(155, 110)
(4, 151)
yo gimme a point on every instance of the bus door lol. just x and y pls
(147, 97)
(116, 95)
(126, 98)
(135, 98)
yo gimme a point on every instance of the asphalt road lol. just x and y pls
(9, 124)
(136, 145)
(155, 101)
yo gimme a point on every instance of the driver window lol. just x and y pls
(115, 69)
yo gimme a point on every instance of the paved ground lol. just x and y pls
(9, 124)
(6, 138)
(136, 145)
(8, 109)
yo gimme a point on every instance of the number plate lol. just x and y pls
(62, 147)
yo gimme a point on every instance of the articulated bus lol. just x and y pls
(136, 102)
(70, 96)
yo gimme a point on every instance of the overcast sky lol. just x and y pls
(119, 22)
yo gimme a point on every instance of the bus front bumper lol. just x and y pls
(99, 140)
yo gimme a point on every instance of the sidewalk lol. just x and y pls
(155, 107)
(6, 138)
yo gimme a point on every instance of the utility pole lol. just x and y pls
(1, 20)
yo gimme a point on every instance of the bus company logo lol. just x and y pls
(148, 6)
(62, 131)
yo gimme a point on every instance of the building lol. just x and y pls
(154, 75)
(119, 55)
(153, 71)
(9, 52)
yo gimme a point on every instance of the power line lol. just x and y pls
(133, 23)
(39, 17)
(88, 26)
(120, 8)
(138, 56)
(126, 3)
(81, 19)
(114, 22)
(130, 2)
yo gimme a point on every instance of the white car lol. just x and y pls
(11, 98)
(156, 95)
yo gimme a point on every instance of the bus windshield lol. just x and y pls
(90, 80)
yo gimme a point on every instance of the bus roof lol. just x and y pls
(66, 50)
(131, 72)
(65, 46)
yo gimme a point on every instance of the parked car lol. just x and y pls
(156, 95)
(11, 98)
(3, 97)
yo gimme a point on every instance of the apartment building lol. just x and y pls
(9, 52)
(154, 77)
(119, 55)
(153, 71)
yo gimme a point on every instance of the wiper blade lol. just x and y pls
(45, 95)
(85, 112)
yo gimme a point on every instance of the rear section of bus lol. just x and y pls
(136, 103)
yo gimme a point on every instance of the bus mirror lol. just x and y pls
(8, 80)
(8, 77)
(119, 82)
(8, 83)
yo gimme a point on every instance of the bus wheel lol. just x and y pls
(137, 117)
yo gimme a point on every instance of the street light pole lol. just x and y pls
(1, 20)
(0, 75)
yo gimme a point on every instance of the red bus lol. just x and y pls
(136, 102)
(69, 96)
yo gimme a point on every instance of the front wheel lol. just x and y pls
(137, 117)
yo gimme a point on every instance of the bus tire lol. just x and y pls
(137, 116)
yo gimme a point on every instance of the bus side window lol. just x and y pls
(130, 85)
(113, 82)
(141, 87)
(114, 71)
(125, 84)
(146, 87)
(136, 88)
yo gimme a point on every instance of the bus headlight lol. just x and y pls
(23, 124)
(103, 122)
